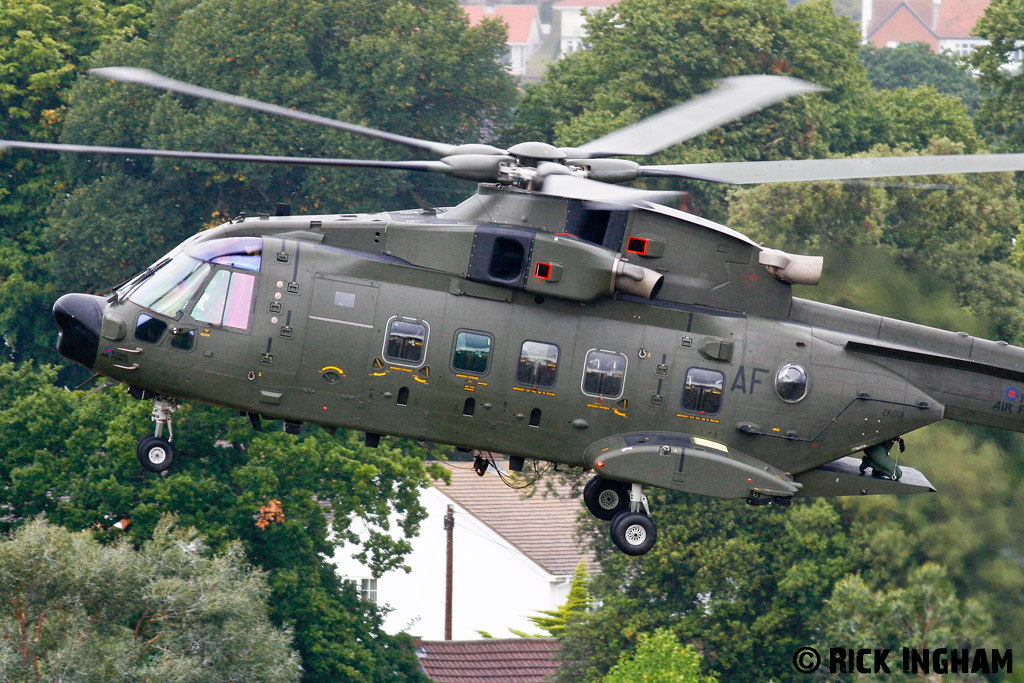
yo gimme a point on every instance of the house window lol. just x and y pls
(604, 374)
(367, 588)
(538, 364)
(702, 392)
(406, 341)
(472, 352)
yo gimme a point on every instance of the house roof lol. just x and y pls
(542, 527)
(512, 660)
(581, 4)
(519, 19)
(950, 19)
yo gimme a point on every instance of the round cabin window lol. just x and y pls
(791, 383)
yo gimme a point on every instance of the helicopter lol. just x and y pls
(556, 315)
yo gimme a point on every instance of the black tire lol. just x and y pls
(605, 498)
(155, 453)
(633, 533)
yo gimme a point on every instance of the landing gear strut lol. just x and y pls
(625, 505)
(881, 463)
(156, 453)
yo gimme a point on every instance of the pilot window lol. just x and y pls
(406, 341)
(604, 374)
(226, 300)
(170, 288)
(702, 392)
(538, 364)
(472, 352)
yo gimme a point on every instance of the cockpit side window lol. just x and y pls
(226, 300)
(169, 290)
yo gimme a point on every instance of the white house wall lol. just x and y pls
(495, 587)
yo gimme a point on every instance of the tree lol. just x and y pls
(412, 69)
(743, 584)
(926, 613)
(72, 457)
(72, 608)
(911, 65)
(1002, 88)
(43, 47)
(576, 604)
(659, 658)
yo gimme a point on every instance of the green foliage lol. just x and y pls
(412, 69)
(42, 49)
(659, 658)
(72, 457)
(925, 613)
(576, 604)
(742, 583)
(959, 229)
(911, 65)
(1003, 89)
(72, 608)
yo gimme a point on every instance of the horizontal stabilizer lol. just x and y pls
(843, 478)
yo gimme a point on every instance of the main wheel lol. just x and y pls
(605, 498)
(155, 453)
(633, 533)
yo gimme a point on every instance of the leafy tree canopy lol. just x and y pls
(1003, 88)
(659, 658)
(413, 69)
(911, 65)
(72, 608)
(288, 501)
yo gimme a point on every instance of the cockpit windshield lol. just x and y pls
(173, 284)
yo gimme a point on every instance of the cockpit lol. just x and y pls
(213, 282)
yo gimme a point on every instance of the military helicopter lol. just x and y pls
(553, 315)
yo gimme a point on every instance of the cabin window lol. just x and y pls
(406, 341)
(472, 352)
(702, 392)
(791, 383)
(149, 329)
(170, 288)
(604, 374)
(538, 364)
(226, 300)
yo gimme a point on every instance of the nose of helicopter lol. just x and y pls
(79, 317)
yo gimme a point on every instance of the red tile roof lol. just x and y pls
(950, 19)
(542, 527)
(512, 660)
(590, 4)
(518, 18)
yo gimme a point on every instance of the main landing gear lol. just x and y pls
(625, 505)
(156, 453)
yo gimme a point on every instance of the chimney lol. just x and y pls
(935, 15)
(865, 20)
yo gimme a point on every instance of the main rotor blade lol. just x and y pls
(733, 98)
(148, 78)
(430, 166)
(750, 172)
(571, 187)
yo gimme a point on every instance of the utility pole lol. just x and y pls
(449, 527)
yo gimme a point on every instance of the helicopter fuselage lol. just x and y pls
(685, 396)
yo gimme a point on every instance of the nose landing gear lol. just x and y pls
(156, 453)
(625, 505)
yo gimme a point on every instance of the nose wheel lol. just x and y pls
(625, 505)
(156, 453)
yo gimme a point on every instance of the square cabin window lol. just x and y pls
(472, 352)
(538, 364)
(604, 374)
(702, 392)
(406, 342)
